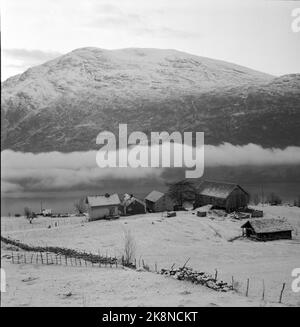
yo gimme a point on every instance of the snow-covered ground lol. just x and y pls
(37, 285)
(165, 241)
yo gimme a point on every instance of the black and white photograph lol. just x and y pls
(150, 154)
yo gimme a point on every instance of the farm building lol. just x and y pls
(158, 202)
(132, 206)
(103, 206)
(267, 229)
(228, 196)
(47, 212)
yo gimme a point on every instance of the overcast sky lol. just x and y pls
(253, 33)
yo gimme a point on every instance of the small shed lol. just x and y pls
(157, 202)
(47, 212)
(132, 205)
(267, 229)
(103, 206)
(223, 195)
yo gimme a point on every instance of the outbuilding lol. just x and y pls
(223, 195)
(158, 202)
(103, 206)
(267, 229)
(132, 205)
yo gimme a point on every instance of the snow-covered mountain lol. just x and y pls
(64, 103)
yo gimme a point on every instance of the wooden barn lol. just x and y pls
(227, 196)
(158, 202)
(132, 205)
(103, 206)
(267, 229)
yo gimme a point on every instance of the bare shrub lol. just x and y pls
(274, 199)
(129, 248)
(29, 215)
(27, 212)
(255, 199)
(80, 206)
(297, 202)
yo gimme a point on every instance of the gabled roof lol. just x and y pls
(128, 199)
(154, 196)
(217, 189)
(103, 200)
(268, 225)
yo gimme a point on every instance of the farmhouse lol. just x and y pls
(132, 206)
(158, 202)
(267, 229)
(222, 195)
(103, 206)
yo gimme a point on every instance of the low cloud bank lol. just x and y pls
(55, 171)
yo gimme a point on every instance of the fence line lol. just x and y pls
(48, 258)
(93, 258)
(69, 257)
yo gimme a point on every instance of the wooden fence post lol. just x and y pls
(216, 275)
(281, 293)
(232, 282)
(155, 267)
(263, 294)
(247, 290)
(12, 257)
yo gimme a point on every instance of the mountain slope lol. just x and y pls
(63, 104)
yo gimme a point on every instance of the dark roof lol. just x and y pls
(103, 200)
(128, 199)
(154, 196)
(268, 225)
(217, 189)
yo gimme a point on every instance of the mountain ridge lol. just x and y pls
(64, 103)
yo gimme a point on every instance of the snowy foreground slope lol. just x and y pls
(208, 242)
(73, 286)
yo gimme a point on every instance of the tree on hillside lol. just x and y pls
(274, 199)
(80, 206)
(29, 215)
(297, 202)
(255, 199)
(182, 191)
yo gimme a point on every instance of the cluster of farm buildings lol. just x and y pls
(187, 195)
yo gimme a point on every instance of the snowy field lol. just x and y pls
(36, 285)
(164, 241)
